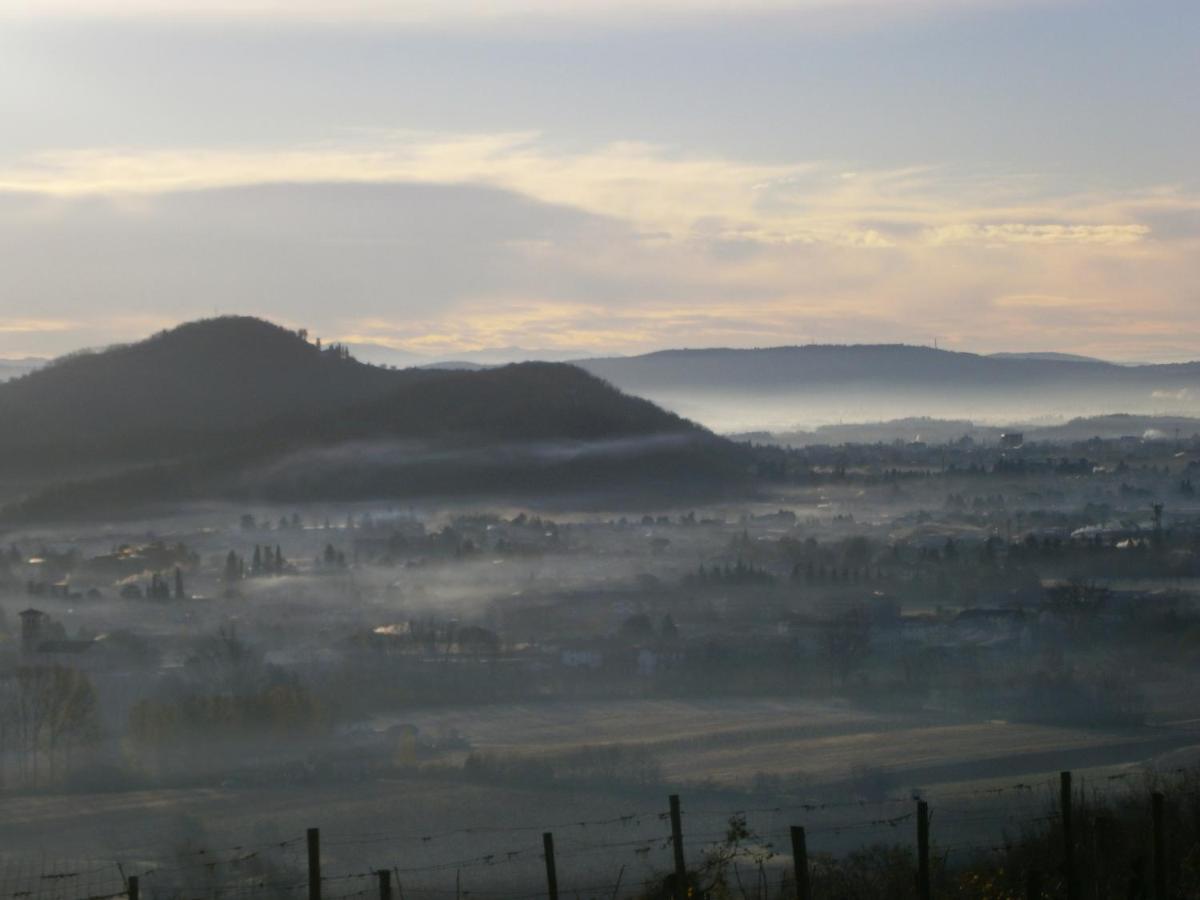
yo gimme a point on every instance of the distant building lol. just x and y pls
(1012, 440)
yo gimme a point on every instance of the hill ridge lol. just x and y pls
(188, 412)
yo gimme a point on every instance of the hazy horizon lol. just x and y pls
(382, 354)
(834, 531)
(769, 389)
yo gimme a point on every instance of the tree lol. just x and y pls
(669, 631)
(232, 567)
(847, 641)
(47, 714)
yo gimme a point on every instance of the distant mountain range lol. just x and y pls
(803, 387)
(787, 387)
(240, 408)
(1053, 357)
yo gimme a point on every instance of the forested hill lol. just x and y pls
(519, 402)
(235, 404)
(179, 390)
(190, 389)
(826, 367)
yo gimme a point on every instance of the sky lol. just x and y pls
(605, 176)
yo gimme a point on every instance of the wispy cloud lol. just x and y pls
(443, 243)
(663, 192)
(996, 235)
(475, 15)
(34, 326)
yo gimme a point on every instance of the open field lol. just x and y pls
(984, 779)
(439, 835)
(727, 743)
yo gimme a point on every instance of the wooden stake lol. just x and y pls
(1064, 796)
(1033, 885)
(1101, 849)
(314, 864)
(800, 862)
(680, 891)
(551, 871)
(1160, 847)
(923, 884)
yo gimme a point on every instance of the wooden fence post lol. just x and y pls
(314, 864)
(1064, 798)
(134, 888)
(1099, 858)
(551, 871)
(800, 862)
(385, 884)
(923, 884)
(1033, 885)
(680, 891)
(1160, 847)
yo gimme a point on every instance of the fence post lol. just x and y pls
(134, 888)
(385, 884)
(314, 864)
(923, 887)
(1064, 797)
(1160, 847)
(680, 891)
(1100, 849)
(1033, 885)
(551, 871)
(800, 862)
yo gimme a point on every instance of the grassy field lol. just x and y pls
(487, 836)
(727, 743)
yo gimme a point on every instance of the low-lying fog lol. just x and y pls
(782, 411)
(434, 685)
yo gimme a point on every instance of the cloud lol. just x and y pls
(1044, 302)
(1182, 395)
(443, 243)
(474, 15)
(662, 192)
(1019, 233)
(34, 326)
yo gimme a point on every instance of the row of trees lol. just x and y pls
(265, 561)
(49, 718)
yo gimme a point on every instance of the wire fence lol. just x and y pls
(611, 857)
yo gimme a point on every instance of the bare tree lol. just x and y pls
(47, 714)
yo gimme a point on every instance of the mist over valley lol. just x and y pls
(599, 450)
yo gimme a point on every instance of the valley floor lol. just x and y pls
(983, 780)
